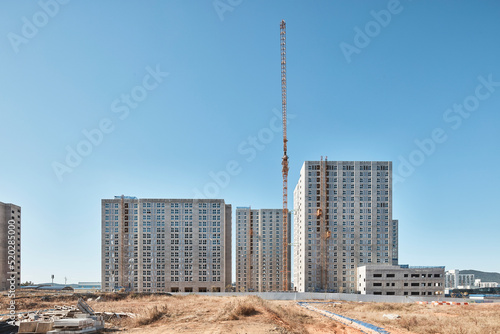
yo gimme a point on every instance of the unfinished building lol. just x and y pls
(343, 219)
(166, 245)
(401, 280)
(259, 254)
(10, 246)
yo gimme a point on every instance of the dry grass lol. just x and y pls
(289, 318)
(426, 319)
(199, 314)
(236, 309)
(151, 315)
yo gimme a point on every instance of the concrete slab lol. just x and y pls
(27, 327)
(80, 331)
(74, 322)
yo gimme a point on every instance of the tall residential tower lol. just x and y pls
(343, 219)
(259, 252)
(10, 246)
(166, 245)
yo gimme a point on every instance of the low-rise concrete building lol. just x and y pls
(400, 280)
(487, 284)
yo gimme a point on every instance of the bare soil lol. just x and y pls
(157, 314)
(424, 319)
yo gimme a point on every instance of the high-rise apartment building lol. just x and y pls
(166, 245)
(259, 252)
(10, 246)
(343, 219)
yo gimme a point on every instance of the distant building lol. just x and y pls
(343, 219)
(166, 245)
(10, 246)
(259, 252)
(49, 287)
(455, 280)
(86, 286)
(488, 284)
(400, 280)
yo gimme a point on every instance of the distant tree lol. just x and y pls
(27, 283)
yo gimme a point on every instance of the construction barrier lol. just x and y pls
(438, 303)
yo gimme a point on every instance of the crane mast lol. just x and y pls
(284, 161)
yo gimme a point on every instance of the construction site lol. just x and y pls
(198, 313)
(167, 264)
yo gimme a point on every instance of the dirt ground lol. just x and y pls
(423, 319)
(157, 314)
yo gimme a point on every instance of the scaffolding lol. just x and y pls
(322, 221)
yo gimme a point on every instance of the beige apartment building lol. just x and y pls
(342, 220)
(10, 246)
(166, 245)
(259, 250)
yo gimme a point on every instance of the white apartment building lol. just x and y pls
(343, 219)
(487, 284)
(455, 280)
(259, 252)
(166, 245)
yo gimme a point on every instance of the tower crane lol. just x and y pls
(284, 161)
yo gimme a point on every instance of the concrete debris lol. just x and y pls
(391, 316)
(84, 307)
(111, 315)
(62, 320)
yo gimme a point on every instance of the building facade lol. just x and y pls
(343, 219)
(487, 284)
(259, 252)
(455, 280)
(166, 245)
(10, 248)
(401, 280)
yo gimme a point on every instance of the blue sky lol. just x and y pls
(183, 91)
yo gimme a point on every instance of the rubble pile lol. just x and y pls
(62, 320)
